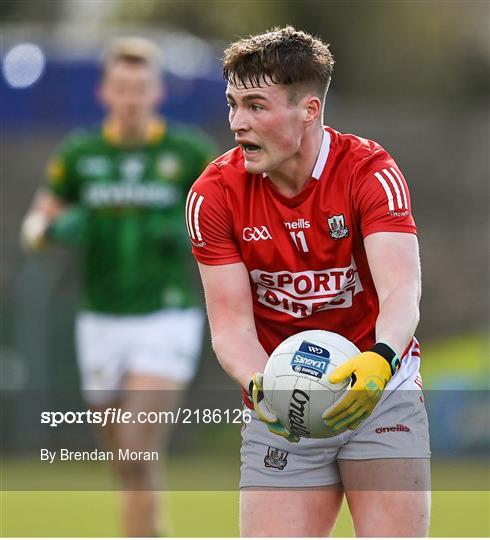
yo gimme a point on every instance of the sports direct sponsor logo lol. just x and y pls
(391, 429)
(300, 294)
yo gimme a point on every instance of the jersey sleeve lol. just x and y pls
(209, 220)
(61, 176)
(382, 198)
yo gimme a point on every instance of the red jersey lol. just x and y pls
(305, 254)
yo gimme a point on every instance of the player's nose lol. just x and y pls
(239, 121)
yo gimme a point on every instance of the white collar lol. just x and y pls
(321, 160)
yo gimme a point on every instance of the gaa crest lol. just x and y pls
(275, 458)
(337, 226)
(169, 166)
(132, 168)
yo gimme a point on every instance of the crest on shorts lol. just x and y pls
(275, 458)
(337, 226)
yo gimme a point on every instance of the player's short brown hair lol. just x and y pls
(282, 56)
(135, 50)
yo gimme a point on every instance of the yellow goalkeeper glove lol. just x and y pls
(370, 371)
(264, 412)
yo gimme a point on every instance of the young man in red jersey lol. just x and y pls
(297, 228)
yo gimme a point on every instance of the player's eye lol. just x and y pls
(231, 105)
(256, 107)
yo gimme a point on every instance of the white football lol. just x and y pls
(296, 384)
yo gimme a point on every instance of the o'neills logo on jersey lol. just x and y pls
(298, 224)
(300, 294)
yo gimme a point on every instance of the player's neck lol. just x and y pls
(126, 134)
(293, 175)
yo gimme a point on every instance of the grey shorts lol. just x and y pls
(397, 428)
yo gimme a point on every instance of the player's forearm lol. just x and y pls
(240, 354)
(398, 318)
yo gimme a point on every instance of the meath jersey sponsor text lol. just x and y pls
(148, 195)
(300, 294)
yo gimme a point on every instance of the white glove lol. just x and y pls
(33, 231)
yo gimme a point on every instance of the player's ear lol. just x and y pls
(101, 93)
(312, 109)
(161, 94)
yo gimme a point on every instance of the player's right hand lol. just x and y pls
(263, 411)
(33, 231)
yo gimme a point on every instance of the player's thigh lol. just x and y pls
(107, 434)
(388, 497)
(288, 489)
(305, 512)
(385, 467)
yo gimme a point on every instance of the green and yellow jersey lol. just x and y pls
(129, 213)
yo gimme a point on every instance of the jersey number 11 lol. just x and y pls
(299, 240)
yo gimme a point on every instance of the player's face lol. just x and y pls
(267, 125)
(130, 92)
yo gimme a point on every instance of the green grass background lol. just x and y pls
(215, 513)
(202, 514)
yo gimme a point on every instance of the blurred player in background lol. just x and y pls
(301, 227)
(119, 191)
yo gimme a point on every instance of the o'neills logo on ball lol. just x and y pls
(296, 415)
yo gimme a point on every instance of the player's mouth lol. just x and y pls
(249, 149)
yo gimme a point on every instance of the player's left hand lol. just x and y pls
(371, 373)
(264, 412)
